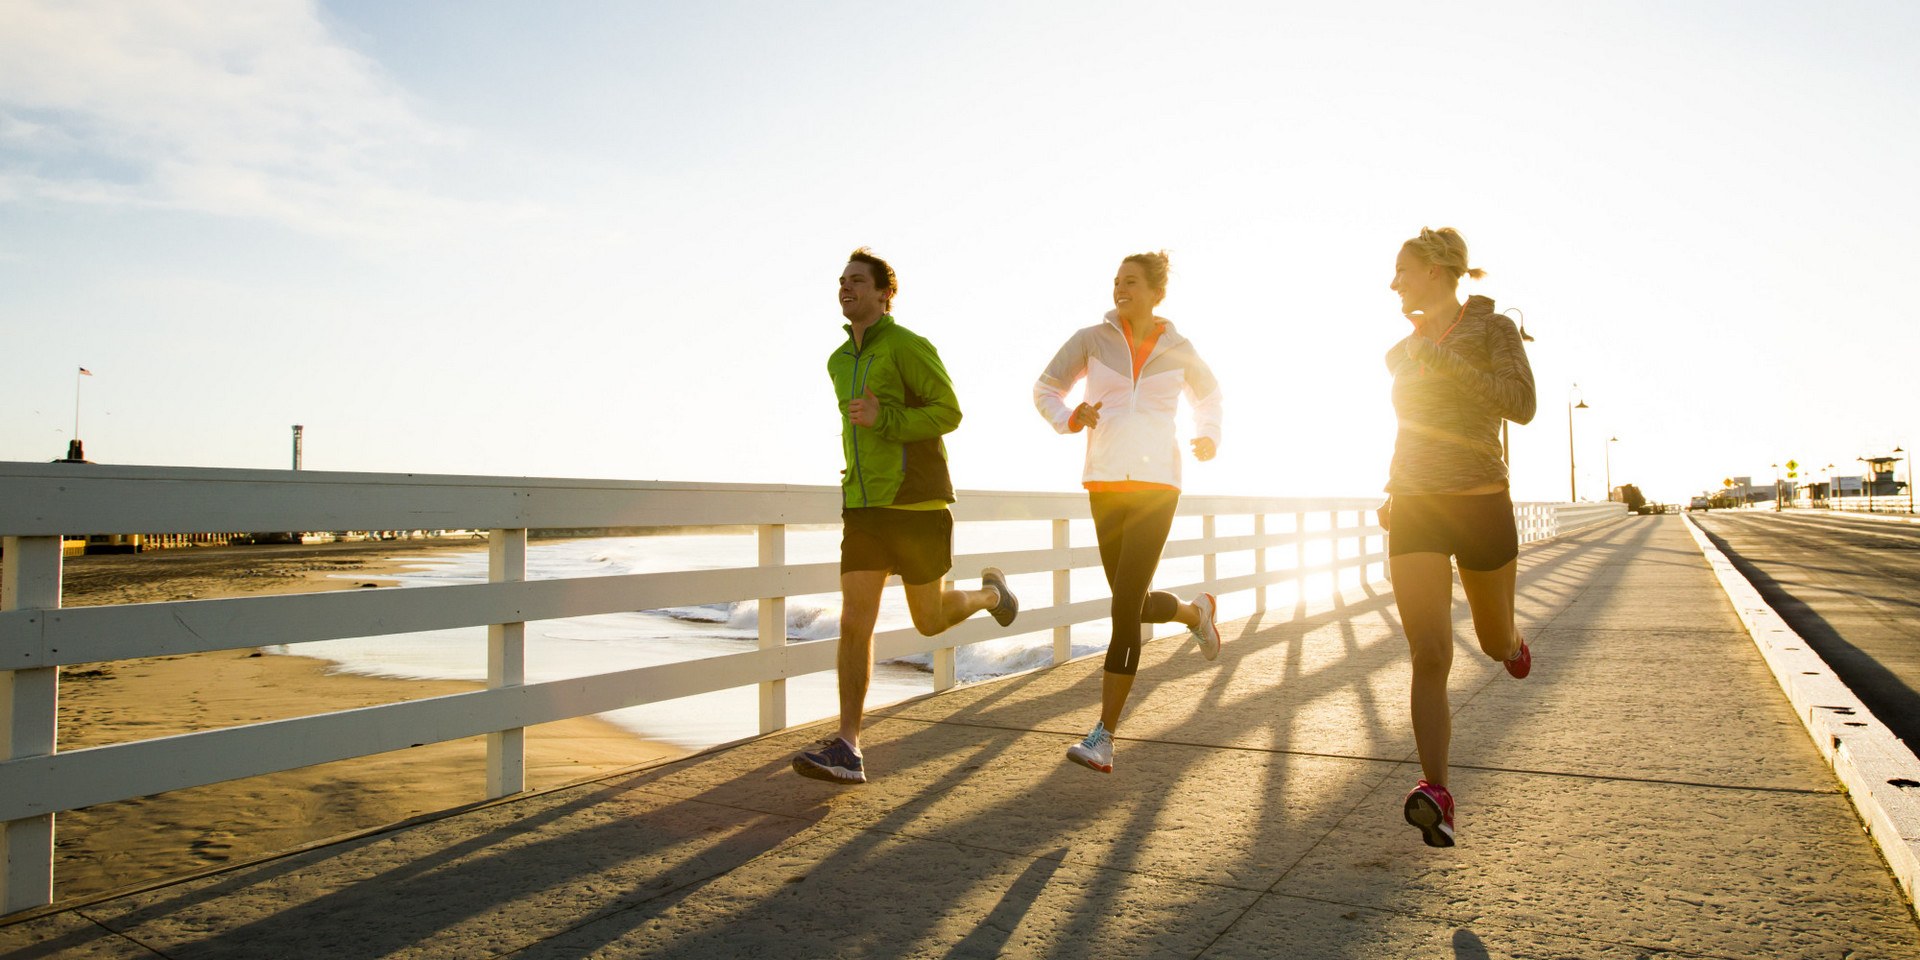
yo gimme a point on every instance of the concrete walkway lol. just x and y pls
(1646, 793)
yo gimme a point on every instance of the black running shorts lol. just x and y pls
(1477, 528)
(916, 544)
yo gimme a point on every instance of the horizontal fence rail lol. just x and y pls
(42, 503)
(1898, 503)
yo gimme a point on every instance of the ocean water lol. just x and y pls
(582, 646)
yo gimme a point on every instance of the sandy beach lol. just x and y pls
(118, 845)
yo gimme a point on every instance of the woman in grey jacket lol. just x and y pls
(1460, 372)
(1137, 368)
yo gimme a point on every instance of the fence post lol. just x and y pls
(29, 712)
(1359, 565)
(773, 628)
(1209, 563)
(945, 662)
(1062, 589)
(506, 664)
(946, 668)
(1334, 543)
(1300, 560)
(1260, 563)
(1359, 538)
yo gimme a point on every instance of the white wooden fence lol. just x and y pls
(1900, 503)
(40, 503)
(1559, 519)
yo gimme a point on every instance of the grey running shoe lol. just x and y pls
(834, 760)
(1009, 605)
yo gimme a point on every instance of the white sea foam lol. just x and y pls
(582, 646)
(807, 619)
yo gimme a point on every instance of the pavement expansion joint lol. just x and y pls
(1338, 823)
(1492, 924)
(629, 906)
(122, 936)
(1036, 857)
(1159, 741)
(1407, 759)
(719, 805)
(1332, 828)
(1634, 631)
(1654, 781)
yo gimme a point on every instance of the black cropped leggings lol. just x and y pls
(1133, 528)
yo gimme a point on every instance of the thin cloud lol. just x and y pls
(247, 110)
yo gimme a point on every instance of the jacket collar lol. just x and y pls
(885, 321)
(1167, 335)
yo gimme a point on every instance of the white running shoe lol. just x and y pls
(1095, 752)
(1207, 632)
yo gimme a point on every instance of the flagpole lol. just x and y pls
(74, 451)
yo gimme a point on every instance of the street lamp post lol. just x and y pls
(1776, 488)
(1610, 442)
(1909, 479)
(1867, 481)
(1573, 482)
(1832, 491)
(1506, 450)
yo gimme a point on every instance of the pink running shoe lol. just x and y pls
(1431, 809)
(1520, 664)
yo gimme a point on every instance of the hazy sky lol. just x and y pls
(602, 240)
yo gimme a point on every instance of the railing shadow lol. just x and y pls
(989, 939)
(410, 902)
(1075, 802)
(475, 875)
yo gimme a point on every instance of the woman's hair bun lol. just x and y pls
(1155, 265)
(1443, 248)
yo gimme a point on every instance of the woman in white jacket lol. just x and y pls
(1136, 368)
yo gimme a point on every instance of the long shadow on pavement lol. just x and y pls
(408, 903)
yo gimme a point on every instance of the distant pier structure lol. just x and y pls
(1879, 480)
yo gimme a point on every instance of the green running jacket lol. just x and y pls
(900, 460)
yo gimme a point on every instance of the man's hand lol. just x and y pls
(1202, 448)
(864, 411)
(1085, 416)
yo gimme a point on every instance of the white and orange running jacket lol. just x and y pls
(1135, 440)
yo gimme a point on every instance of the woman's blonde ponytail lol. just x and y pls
(1444, 248)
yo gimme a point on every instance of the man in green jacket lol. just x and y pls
(896, 402)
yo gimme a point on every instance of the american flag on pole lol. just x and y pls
(85, 372)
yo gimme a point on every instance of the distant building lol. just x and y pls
(1880, 481)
